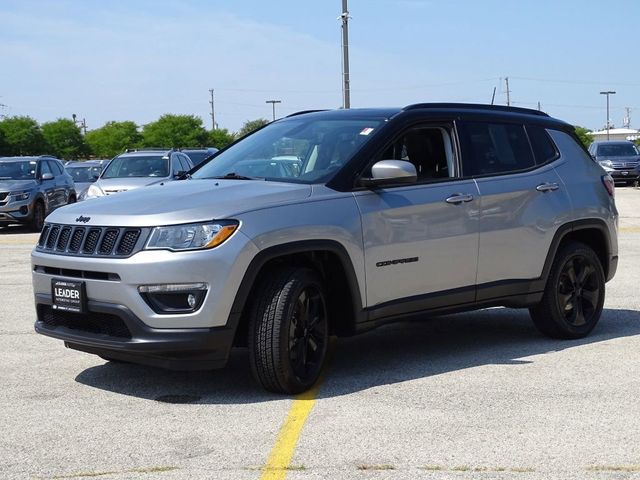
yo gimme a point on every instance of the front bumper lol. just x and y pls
(630, 175)
(16, 212)
(114, 332)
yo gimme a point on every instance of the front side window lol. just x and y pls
(19, 170)
(298, 149)
(137, 166)
(44, 168)
(428, 148)
(494, 148)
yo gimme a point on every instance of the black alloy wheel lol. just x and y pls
(579, 291)
(308, 334)
(574, 294)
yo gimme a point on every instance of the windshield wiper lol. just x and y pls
(235, 176)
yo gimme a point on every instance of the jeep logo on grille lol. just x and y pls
(82, 219)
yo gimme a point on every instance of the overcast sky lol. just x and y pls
(137, 59)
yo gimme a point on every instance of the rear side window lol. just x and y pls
(543, 148)
(494, 148)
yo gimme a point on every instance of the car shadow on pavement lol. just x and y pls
(391, 354)
(15, 229)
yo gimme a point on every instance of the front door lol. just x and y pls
(421, 240)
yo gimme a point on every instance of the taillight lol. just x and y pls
(609, 184)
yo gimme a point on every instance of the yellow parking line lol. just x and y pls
(279, 461)
(629, 229)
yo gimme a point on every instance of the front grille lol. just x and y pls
(624, 165)
(92, 322)
(91, 241)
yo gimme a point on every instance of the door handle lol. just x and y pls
(459, 198)
(547, 187)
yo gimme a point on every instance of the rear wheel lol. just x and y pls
(37, 222)
(288, 331)
(574, 294)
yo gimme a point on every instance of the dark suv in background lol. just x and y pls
(31, 188)
(620, 159)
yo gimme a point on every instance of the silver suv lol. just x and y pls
(138, 168)
(389, 214)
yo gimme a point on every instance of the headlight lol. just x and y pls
(93, 191)
(193, 236)
(606, 163)
(20, 195)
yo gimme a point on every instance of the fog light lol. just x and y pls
(191, 300)
(174, 298)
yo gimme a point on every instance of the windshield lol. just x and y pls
(137, 166)
(198, 157)
(84, 174)
(301, 150)
(617, 150)
(24, 170)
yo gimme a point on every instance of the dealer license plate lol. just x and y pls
(68, 296)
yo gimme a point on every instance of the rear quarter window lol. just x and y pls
(544, 150)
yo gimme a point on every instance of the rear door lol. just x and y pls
(522, 202)
(421, 240)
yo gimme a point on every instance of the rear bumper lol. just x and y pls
(113, 331)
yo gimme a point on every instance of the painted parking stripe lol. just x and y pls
(629, 229)
(279, 461)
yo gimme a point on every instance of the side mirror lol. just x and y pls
(179, 174)
(390, 172)
(95, 176)
(47, 176)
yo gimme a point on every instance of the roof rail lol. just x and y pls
(477, 106)
(148, 149)
(305, 111)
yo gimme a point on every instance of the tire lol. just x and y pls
(37, 222)
(288, 330)
(574, 295)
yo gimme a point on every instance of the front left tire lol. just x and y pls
(288, 330)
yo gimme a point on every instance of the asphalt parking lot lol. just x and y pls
(470, 396)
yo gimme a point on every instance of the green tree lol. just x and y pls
(251, 125)
(4, 145)
(171, 131)
(23, 136)
(220, 138)
(65, 139)
(113, 138)
(583, 135)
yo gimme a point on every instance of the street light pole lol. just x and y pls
(607, 93)
(273, 105)
(346, 81)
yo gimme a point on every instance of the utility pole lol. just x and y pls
(81, 123)
(627, 118)
(213, 115)
(607, 93)
(506, 80)
(273, 106)
(539, 109)
(346, 88)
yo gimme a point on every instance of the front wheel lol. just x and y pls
(288, 330)
(37, 222)
(574, 295)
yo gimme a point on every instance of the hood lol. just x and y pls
(116, 185)
(614, 158)
(13, 185)
(179, 202)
